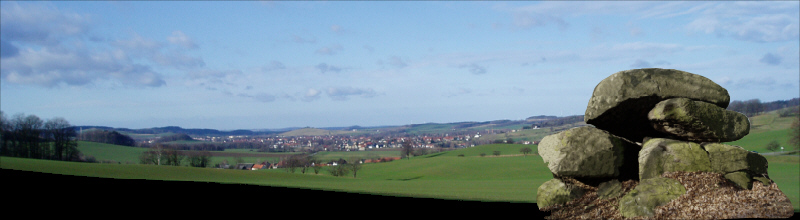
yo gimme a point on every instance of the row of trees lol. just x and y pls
(164, 155)
(108, 137)
(31, 137)
(754, 107)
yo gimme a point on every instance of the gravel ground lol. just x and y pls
(708, 196)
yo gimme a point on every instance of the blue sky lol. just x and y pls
(255, 65)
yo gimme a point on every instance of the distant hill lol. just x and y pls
(179, 130)
(174, 137)
(427, 128)
(313, 132)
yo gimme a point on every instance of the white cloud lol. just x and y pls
(273, 65)
(397, 62)
(180, 39)
(302, 40)
(40, 24)
(50, 68)
(770, 59)
(343, 93)
(324, 67)
(750, 21)
(311, 95)
(331, 50)
(474, 68)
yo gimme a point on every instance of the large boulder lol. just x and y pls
(727, 158)
(556, 192)
(609, 190)
(642, 200)
(659, 155)
(698, 121)
(620, 102)
(741, 179)
(584, 152)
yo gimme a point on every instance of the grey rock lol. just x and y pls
(584, 152)
(609, 190)
(698, 121)
(620, 102)
(659, 155)
(727, 158)
(556, 192)
(650, 193)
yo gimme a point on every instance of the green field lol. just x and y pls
(461, 174)
(447, 175)
(765, 128)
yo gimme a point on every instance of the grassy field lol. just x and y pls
(765, 128)
(509, 177)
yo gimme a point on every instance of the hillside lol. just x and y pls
(313, 132)
(765, 128)
(446, 175)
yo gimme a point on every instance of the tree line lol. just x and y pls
(31, 137)
(755, 107)
(160, 154)
(108, 137)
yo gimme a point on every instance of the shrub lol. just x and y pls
(496, 153)
(773, 145)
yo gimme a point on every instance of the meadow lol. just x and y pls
(509, 177)
(462, 174)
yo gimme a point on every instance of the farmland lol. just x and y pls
(467, 174)
(509, 177)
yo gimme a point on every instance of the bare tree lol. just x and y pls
(794, 136)
(62, 136)
(153, 156)
(407, 149)
(354, 165)
(174, 157)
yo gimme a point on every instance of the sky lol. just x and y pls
(277, 64)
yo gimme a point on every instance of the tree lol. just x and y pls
(338, 170)
(509, 141)
(315, 164)
(200, 159)
(496, 153)
(62, 136)
(153, 156)
(407, 149)
(354, 165)
(174, 157)
(773, 145)
(525, 151)
(794, 136)
(5, 134)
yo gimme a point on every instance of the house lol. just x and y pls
(257, 167)
(244, 166)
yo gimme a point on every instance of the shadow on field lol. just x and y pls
(131, 194)
(407, 179)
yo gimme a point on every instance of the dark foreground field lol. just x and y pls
(201, 198)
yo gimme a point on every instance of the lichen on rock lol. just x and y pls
(584, 152)
(648, 194)
(555, 191)
(698, 121)
(659, 155)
